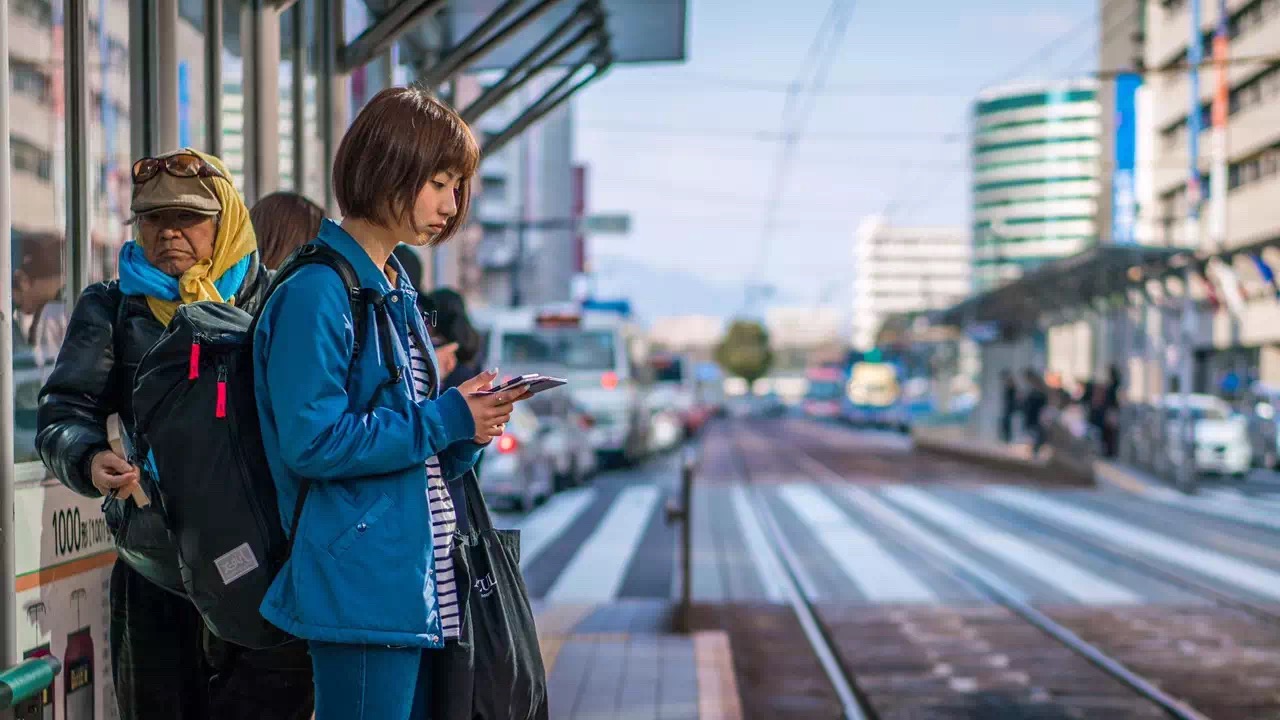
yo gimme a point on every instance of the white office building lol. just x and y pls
(905, 269)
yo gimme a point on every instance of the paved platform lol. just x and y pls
(1065, 465)
(621, 661)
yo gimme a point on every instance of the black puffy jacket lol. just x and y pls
(89, 382)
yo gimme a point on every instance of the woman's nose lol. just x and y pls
(449, 207)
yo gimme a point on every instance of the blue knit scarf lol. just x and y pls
(140, 277)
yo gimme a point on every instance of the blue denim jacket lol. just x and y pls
(362, 568)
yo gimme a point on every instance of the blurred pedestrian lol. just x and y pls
(1008, 405)
(1034, 401)
(193, 242)
(284, 222)
(40, 313)
(370, 582)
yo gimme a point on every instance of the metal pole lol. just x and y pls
(474, 46)
(1186, 454)
(517, 75)
(213, 28)
(542, 106)
(1218, 150)
(144, 78)
(167, 55)
(8, 593)
(686, 539)
(76, 131)
(330, 91)
(298, 49)
(1187, 475)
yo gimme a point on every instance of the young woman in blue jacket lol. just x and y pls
(369, 583)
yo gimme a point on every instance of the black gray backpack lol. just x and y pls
(198, 440)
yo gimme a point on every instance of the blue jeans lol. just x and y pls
(370, 682)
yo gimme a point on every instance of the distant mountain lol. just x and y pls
(659, 292)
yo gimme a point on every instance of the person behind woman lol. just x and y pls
(446, 310)
(193, 243)
(369, 583)
(284, 222)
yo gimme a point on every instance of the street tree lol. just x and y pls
(744, 350)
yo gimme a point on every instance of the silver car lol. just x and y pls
(517, 469)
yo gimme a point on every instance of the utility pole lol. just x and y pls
(517, 263)
(1186, 472)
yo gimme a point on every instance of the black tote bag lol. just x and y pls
(496, 671)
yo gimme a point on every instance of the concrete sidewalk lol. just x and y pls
(621, 661)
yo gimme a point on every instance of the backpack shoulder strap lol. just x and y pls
(314, 253)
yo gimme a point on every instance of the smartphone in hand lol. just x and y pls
(535, 382)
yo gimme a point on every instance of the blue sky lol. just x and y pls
(689, 150)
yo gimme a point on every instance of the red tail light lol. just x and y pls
(609, 380)
(507, 444)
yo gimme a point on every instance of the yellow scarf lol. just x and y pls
(234, 241)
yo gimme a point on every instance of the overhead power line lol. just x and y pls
(795, 116)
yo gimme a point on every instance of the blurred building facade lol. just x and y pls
(530, 181)
(1244, 344)
(905, 269)
(800, 335)
(1253, 133)
(680, 333)
(1036, 176)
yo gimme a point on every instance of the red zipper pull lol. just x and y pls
(221, 409)
(193, 370)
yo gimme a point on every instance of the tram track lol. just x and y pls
(885, 697)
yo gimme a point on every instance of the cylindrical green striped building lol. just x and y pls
(1036, 176)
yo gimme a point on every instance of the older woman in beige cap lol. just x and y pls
(193, 242)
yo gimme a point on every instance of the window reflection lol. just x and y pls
(232, 93)
(37, 186)
(314, 164)
(109, 134)
(285, 93)
(193, 119)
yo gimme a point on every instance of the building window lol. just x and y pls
(1249, 94)
(29, 80)
(1259, 167)
(31, 159)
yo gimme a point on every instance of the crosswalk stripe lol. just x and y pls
(1230, 506)
(1050, 568)
(596, 571)
(876, 573)
(762, 556)
(545, 524)
(1206, 562)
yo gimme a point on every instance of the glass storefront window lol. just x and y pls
(313, 145)
(232, 92)
(287, 144)
(36, 111)
(109, 157)
(193, 119)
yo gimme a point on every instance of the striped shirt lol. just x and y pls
(443, 520)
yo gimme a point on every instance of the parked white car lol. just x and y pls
(517, 469)
(1221, 434)
(565, 427)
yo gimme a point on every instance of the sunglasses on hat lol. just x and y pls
(180, 165)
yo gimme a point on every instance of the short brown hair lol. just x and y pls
(401, 138)
(284, 221)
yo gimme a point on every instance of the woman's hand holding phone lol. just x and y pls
(490, 411)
